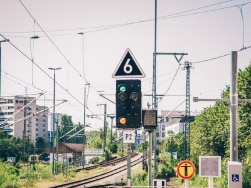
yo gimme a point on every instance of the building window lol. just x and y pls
(157, 134)
(17, 101)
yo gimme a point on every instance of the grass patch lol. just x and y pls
(66, 177)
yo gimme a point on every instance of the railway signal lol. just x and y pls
(128, 104)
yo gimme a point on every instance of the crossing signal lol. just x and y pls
(128, 104)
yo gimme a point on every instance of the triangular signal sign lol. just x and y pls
(128, 67)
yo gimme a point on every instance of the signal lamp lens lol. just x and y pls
(122, 88)
(122, 120)
(134, 96)
(122, 96)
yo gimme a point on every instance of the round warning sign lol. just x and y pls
(186, 169)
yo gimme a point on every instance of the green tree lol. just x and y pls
(94, 140)
(209, 133)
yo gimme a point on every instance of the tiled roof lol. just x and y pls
(73, 146)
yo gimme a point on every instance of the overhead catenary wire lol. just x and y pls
(11, 78)
(33, 114)
(179, 14)
(52, 42)
(42, 69)
(170, 83)
(112, 26)
(147, 20)
(68, 62)
(21, 108)
(195, 62)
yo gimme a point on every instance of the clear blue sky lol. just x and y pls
(203, 29)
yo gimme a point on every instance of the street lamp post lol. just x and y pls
(5, 40)
(53, 121)
(84, 125)
(34, 37)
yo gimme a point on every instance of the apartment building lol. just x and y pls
(21, 116)
(174, 121)
(58, 121)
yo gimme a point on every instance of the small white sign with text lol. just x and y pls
(129, 136)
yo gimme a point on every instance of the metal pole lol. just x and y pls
(6, 40)
(0, 70)
(154, 105)
(150, 180)
(104, 130)
(129, 150)
(53, 126)
(112, 117)
(233, 110)
(84, 137)
(56, 144)
(83, 152)
(53, 120)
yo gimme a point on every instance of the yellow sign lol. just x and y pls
(185, 169)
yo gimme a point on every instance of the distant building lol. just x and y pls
(174, 121)
(58, 121)
(21, 117)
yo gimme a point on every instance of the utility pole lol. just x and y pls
(186, 128)
(154, 98)
(56, 121)
(84, 125)
(112, 117)
(54, 118)
(104, 145)
(5, 40)
(234, 167)
(233, 110)
(154, 105)
(24, 131)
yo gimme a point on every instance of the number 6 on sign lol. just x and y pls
(128, 136)
(128, 67)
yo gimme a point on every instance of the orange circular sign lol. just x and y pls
(185, 169)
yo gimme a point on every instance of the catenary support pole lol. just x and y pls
(154, 99)
(6, 40)
(54, 118)
(233, 110)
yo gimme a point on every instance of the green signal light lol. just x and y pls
(122, 88)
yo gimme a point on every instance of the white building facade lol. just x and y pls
(22, 117)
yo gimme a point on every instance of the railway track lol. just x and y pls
(95, 179)
(108, 163)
